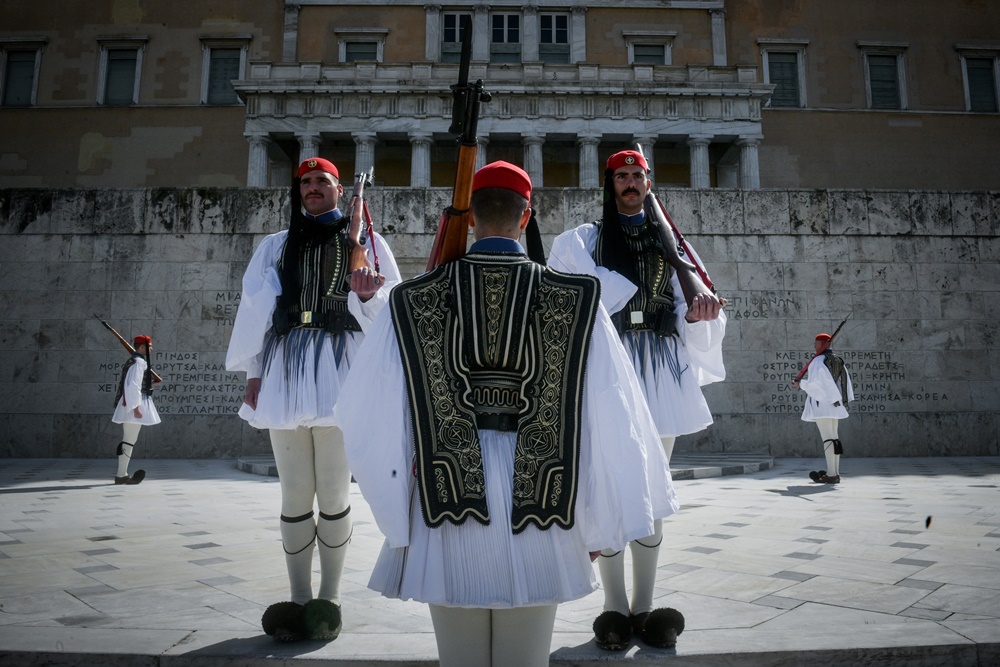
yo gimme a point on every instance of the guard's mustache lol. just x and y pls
(632, 190)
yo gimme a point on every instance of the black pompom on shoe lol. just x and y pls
(322, 620)
(660, 627)
(284, 622)
(815, 475)
(612, 631)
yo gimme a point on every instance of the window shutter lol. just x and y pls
(19, 78)
(884, 81)
(982, 84)
(223, 68)
(783, 71)
(120, 83)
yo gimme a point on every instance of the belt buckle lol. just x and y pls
(305, 317)
(637, 317)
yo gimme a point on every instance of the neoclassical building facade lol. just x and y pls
(562, 98)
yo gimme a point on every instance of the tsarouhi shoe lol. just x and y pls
(134, 478)
(816, 474)
(660, 627)
(283, 621)
(322, 620)
(826, 479)
(612, 631)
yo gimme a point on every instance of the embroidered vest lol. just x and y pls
(496, 335)
(147, 379)
(835, 365)
(322, 302)
(651, 308)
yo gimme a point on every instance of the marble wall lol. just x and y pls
(919, 272)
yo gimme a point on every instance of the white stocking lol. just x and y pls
(293, 455)
(130, 434)
(333, 489)
(828, 431)
(520, 637)
(645, 554)
(611, 565)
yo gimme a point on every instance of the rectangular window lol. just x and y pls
(883, 78)
(506, 38)
(981, 76)
(19, 78)
(355, 51)
(649, 54)
(554, 38)
(120, 77)
(783, 72)
(223, 68)
(555, 28)
(452, 35)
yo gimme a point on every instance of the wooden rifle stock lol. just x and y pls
(453, 230)
(823, 348)
(127, 345)
(359, 217)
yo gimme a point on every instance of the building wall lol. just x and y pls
(919, 271)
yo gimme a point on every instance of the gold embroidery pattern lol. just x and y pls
(457, 438)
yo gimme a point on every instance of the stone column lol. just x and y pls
(531, 34)
(533, 158)
(482, 157)
(749, 165)
(308, 145)
(481, 34)
(590, 165)
(647, 142)
(420, 159)
(719, 58)
(259, 162)
(578, 34)
(700, 177)
(432, 33)
(290, 42)
(364, 153)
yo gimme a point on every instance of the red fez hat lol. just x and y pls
(626, 158)
(824, 336)
(503, 175)
(317, 164)
(142, 340)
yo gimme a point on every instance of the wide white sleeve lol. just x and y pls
(365, 312)
(572, 252)
(702, 340)
(132, 393)
(818, 382)
(373, 412)
(625, 476)
(261, 286)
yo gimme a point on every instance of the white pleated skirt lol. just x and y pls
(472, 565)
(669, 383)
(301, 376)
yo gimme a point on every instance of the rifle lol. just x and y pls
(127, 345)
(826, 346)
(360, 216)
(693, 279)
(453, 230)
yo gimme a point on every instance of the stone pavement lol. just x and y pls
(898, 565)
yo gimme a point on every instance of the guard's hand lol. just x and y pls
(365, 282)
(795, 383)
(137, 412)
(253, 390)
(594, 555)
(704, 308)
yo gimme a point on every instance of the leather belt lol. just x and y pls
(497, 422)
